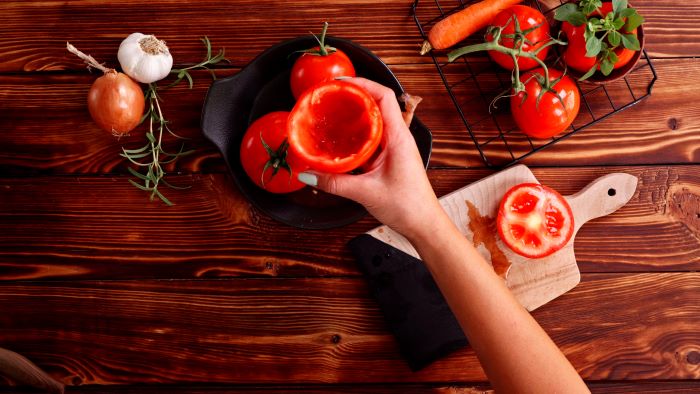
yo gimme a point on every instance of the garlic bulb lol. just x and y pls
(145, 58)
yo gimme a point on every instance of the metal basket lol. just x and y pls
(473, 82)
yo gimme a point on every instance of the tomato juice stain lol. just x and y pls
(485, 232)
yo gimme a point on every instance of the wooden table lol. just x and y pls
(101, 287)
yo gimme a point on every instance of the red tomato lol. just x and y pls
(276, 169)
(552, 114)
(534, 220)
(575, 53)
(313, 68)
(335, 127)
(528, 18)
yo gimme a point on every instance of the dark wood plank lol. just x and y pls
(48, 129)
(639, 387)
(102, 227)
(612, 326)
(669, 37)
(244, 28)
(52, 132)
(35, 33)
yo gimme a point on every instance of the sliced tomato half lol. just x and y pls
(534, 220)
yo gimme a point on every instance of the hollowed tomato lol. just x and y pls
(335, 127)
(534, 220)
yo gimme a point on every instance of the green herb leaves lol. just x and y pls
(630, 41)
(593, 46)
(589, 6)
(604, 33)
(619, 5)
(208, 61)
(569, 12)
(150, 158)
(576, 14)
(634, 20)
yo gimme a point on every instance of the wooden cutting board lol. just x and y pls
(534, 282)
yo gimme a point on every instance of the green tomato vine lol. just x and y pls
(150, 158)
(519, 38)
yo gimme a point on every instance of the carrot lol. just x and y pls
(464, 23)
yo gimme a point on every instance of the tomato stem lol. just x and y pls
(518, 37)
(322, 48)
(277, 159)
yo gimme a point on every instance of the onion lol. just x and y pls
(116, 103)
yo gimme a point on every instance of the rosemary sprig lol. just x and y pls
(149, 158)
(184, 72)
(154, 172)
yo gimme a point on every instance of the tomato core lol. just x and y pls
(534, 220)
(340, 124)
(335, 127)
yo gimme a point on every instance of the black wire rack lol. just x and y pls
(474, 81)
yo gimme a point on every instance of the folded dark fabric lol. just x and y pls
(413, 306)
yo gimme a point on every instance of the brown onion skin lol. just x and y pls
(116, 103)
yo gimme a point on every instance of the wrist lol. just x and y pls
(430, 228)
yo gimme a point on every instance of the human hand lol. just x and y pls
(395, 188)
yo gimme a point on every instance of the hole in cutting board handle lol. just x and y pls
(611, 192)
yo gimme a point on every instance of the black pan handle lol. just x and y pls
(227, 104)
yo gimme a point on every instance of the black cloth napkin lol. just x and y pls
(413, 306)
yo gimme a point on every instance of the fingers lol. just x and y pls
(343, 185)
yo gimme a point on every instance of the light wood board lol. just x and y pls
(534, 282)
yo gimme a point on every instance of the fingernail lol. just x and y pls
(342, 77)
(308, 178)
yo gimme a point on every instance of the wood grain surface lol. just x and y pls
(100, 287)
(637, 387)
(246, 27)
(102, 227)
(612, 326)
(53, 132)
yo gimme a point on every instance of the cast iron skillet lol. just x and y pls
(263, 86)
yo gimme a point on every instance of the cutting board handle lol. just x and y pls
(602, 197)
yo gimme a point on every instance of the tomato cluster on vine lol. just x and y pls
(545, 101)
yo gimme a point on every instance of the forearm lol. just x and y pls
(515, 352)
